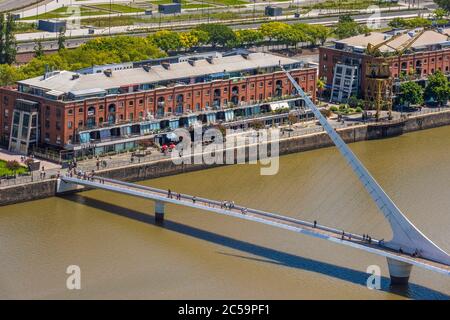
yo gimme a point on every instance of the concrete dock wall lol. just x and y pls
(143, 171)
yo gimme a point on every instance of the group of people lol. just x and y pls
(227, 205)
(367, 238)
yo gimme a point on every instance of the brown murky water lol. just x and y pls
(122, 254)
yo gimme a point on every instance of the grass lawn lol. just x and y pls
(63, 12)
(5, 171)
(118, 7)
(227, 2)
(350, 4)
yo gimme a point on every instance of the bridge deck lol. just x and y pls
(280, 221)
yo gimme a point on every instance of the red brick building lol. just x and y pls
(119, 107)
(422, 54)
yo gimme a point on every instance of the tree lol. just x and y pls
(38, 50)
(2, 38)
(61, 39)
(10, 40)
(202, 36)
(188, 40)
(322, 33)
(444, 4)
(247, 37)
(411, 93)
(347, 27)
(219, 34)
(438, 88)
(273, 30)
(9, 75)
(291, 36)
(167, 40)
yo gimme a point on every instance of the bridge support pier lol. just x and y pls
(399, 271)
(159, 212)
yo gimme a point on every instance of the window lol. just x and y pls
(130, 116)
(80, 123)
(47, 124)
(252, 86)
(197, 93)
(261, 84)
(69, 125)
(58, 125)
(70, 112)
(131, 102)
(6, 113)
(80, 110)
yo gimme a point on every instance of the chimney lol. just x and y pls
(108, 72)
(166, 65)
(147, 67)
(191, 62)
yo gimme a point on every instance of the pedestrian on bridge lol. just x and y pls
(194, 198)
(169, 194)
(315, 223)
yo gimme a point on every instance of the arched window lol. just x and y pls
(112, 108)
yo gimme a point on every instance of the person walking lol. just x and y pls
(169, 194)
(315, 223)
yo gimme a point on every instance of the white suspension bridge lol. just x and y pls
(408, 247)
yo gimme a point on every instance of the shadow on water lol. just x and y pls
(268, 255)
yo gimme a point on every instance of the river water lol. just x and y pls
(123, 254)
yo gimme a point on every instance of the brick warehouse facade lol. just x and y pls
(61, 121)
(423, 59)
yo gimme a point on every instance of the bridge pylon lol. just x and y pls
(159, 212)
(407, 238)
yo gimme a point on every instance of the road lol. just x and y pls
(26, 42)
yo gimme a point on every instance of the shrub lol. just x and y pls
(334, 108)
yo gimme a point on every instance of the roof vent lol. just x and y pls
(166, 65)
(191, 62)
(210, 59)
(147, 67)
(75, 76)
(108, 72)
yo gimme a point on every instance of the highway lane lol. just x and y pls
(28, 46)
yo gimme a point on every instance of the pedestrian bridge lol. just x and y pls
(161, 197)
(408, 247)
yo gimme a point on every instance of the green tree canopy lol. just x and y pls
(438, 88)
(411, 93)
(444, 4)
(219, 34)
(347, 27)
(167, 40)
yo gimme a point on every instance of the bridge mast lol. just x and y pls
(405, 235)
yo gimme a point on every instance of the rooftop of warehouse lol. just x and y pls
(68, 81)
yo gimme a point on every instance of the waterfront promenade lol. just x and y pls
(304, 136)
